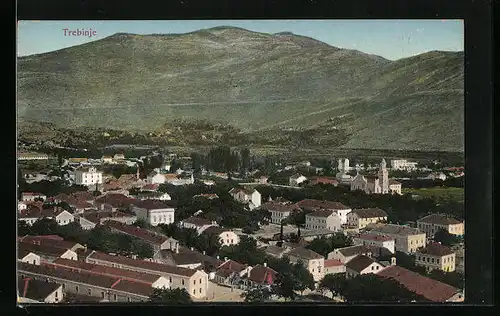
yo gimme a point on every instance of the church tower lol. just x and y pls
(383, 176)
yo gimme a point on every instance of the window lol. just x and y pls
(194, 291)
(57, 293)
(376, 268)
(200, 281)
(89, 292)
(114, 297)
(170, 279)
(194, 281)
(76, 288)
(102, 294)
(34, 261)
(313, 270)
(128, 299)
(182, 281)
(432, 260)
(200, 290)
(437, 261)
(373, 268)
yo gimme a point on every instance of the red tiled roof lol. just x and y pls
(431, 289)
(110, 271)
(375, 237)
(332, 263)
(277, 207)
(321, 213)
(436, 249)
(30, 212)
(141, 233)
(263, 275)
(198, 221)
(324, 180)
(392, 181)
(115, 200)
(439, 219)
(232, 265)
(41, 249)
(150, 186)
(152, 204)
(35, 289)
(369, 212)
(142, 264)
(319, 204)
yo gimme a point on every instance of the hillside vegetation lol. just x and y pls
(268, 87)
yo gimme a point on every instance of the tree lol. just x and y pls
(23, 228)
(257, 295)
(170, 296)
(445, 238)
(245, 160)
(142, 249)
(454, 278)
(335, 283)
(285, 285)
(304, 279)
(141, 223)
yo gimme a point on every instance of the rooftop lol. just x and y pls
(141, 233)
(374, 237)
(321, 204)
(214, 230)
(436, 249)
(27, 247)
(232, 265)
(142, 264)
(277, 207)
(304, 253)
(439, 219)
(321, 213)
(354, 250)
(35, 289)
(431, 289)
(198, 221)
(333, 263)
(369, 212)
(359, 263)
(262, 275)
(152, 204)
(40, 240)
(392, 229)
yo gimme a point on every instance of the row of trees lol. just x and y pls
(99, 238)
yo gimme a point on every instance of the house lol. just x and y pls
(432, 223)
(154, 212)
(333, 266)
(403, 164)
(187, 258)
(153, 196)
(47, 253)
(31, 196)
(30, 290)
(436, 256)
(60, 215)
(279, 212)
(88, 176)
(432, 290)
(323, 219)
(156, 240)
(275, 251)
(30, 215)
(362, 264)
(78, 281)
(261, 180)
(395, 187)
(26, 255)
(113, 202)
(406, 239)
(51, 242)
(194, 281)
(346, 254)
(314, 205)
(231, 273)
(296, 179)
(89, 220)
(251, 197)
(198, 223)
(313, 261)
(154, 280)
(375, 240)
(226, 236)
(359, 218)
(208, 182)
(323, 180)
(261, 275)
(21, 206)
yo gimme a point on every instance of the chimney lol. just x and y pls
(393, 261)
(265, 264)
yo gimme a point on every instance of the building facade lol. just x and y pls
(432, 223)
(88, 176)
(323, 219)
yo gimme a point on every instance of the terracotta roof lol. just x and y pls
(214, 230)
(152, 204)
(35, 289)
(142, 264)
(198, 221)
(63, 244)
(333, 263)
(354, 250)
(86, 277)
(83, 196)
(359, 263)
(392, 229)
(262, 275)
(232, 265)
(150, 186)
(110, 271)
(41, 249)
(321, 204)
(325, 180)
(430, 289)
(30, 212)
(369, 212)
(374, 237)
(304, 253)
(321, 213)
(115, 200)
(439, 219)
(436, 249)
(141, 233)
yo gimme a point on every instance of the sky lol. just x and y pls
(391, 39)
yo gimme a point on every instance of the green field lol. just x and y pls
(444, 193)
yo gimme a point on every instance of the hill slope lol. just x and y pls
(256, 82)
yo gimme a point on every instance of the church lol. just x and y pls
(379, 184)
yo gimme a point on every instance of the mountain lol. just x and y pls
(259, 83)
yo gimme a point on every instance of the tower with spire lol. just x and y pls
(383, 176)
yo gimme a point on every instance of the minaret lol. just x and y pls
(383, 176)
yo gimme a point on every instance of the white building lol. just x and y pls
(21, 206)
(30, 196)
(154, 212)
(362, 264)
(226, 236)
(323, 219)
(315, 205)
(343, 168)
(296, 180)
(403, 164)
(360, 218)
(251, 197)
(375, 240)
(198, 223)
(379, 184)
(314, 262)
(88, 176)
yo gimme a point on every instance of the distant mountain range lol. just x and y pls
(260, 84)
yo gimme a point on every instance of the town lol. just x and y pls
(229, 226)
